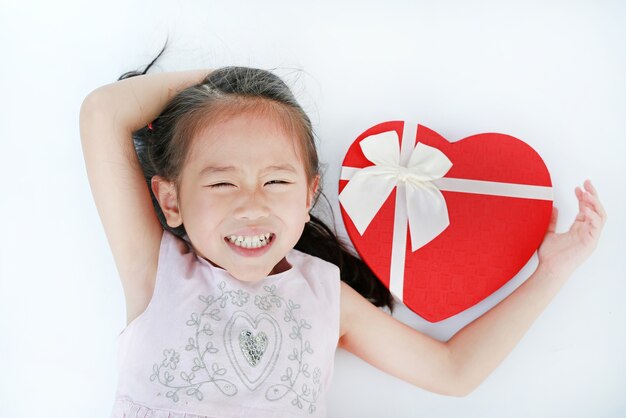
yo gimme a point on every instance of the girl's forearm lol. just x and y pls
(481, 346)
(136, 101)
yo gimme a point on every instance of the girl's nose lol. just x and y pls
(252, 205)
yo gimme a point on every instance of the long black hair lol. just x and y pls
(162, 148)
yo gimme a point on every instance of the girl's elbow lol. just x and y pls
(454, 391)
(461, 383)
(90, 108)
(453, 387)
(460, 387)
(461, 393)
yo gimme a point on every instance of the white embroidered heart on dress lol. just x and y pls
(252, 345)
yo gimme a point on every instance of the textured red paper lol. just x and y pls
(489, 239)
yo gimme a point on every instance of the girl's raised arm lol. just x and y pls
(108, 116)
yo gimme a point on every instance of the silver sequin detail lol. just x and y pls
(252, 347)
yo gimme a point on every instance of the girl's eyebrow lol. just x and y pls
(227, 168)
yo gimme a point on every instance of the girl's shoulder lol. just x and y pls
(323, 278)
(180, 245)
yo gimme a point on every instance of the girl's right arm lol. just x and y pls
(458, 366)
(108, 116)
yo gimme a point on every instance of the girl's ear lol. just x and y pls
(311, 193)
(165, 193)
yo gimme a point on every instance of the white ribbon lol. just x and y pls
(370, 187)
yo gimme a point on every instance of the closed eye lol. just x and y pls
(220, 185)
(277, 182)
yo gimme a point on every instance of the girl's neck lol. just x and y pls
(283, 265)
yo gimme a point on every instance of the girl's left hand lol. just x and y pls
(561, 254)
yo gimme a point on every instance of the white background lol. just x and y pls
(550, 73)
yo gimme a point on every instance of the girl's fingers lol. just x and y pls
(589, 186)
(589, 198)
(595, 220)
(580, 194)
(592, 201)
(593, 224)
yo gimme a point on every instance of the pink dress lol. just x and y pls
(209, 345)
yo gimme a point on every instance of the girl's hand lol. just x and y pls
(561, 254)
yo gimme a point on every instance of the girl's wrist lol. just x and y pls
(553, 271)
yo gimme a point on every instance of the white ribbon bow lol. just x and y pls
(368, 189)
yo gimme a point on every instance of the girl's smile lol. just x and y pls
(255, 241)
(248, 247)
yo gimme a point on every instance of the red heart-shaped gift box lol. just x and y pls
(498, 207)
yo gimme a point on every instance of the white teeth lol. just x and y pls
(250, 242)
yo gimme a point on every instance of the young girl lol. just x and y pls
(237, 297)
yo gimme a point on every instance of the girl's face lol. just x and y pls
(243, 177)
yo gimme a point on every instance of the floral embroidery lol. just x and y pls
(262, 302)
(299, 380)
(305, 394)
(239, 297)
(172, 358)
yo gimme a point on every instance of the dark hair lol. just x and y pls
(162, 148)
